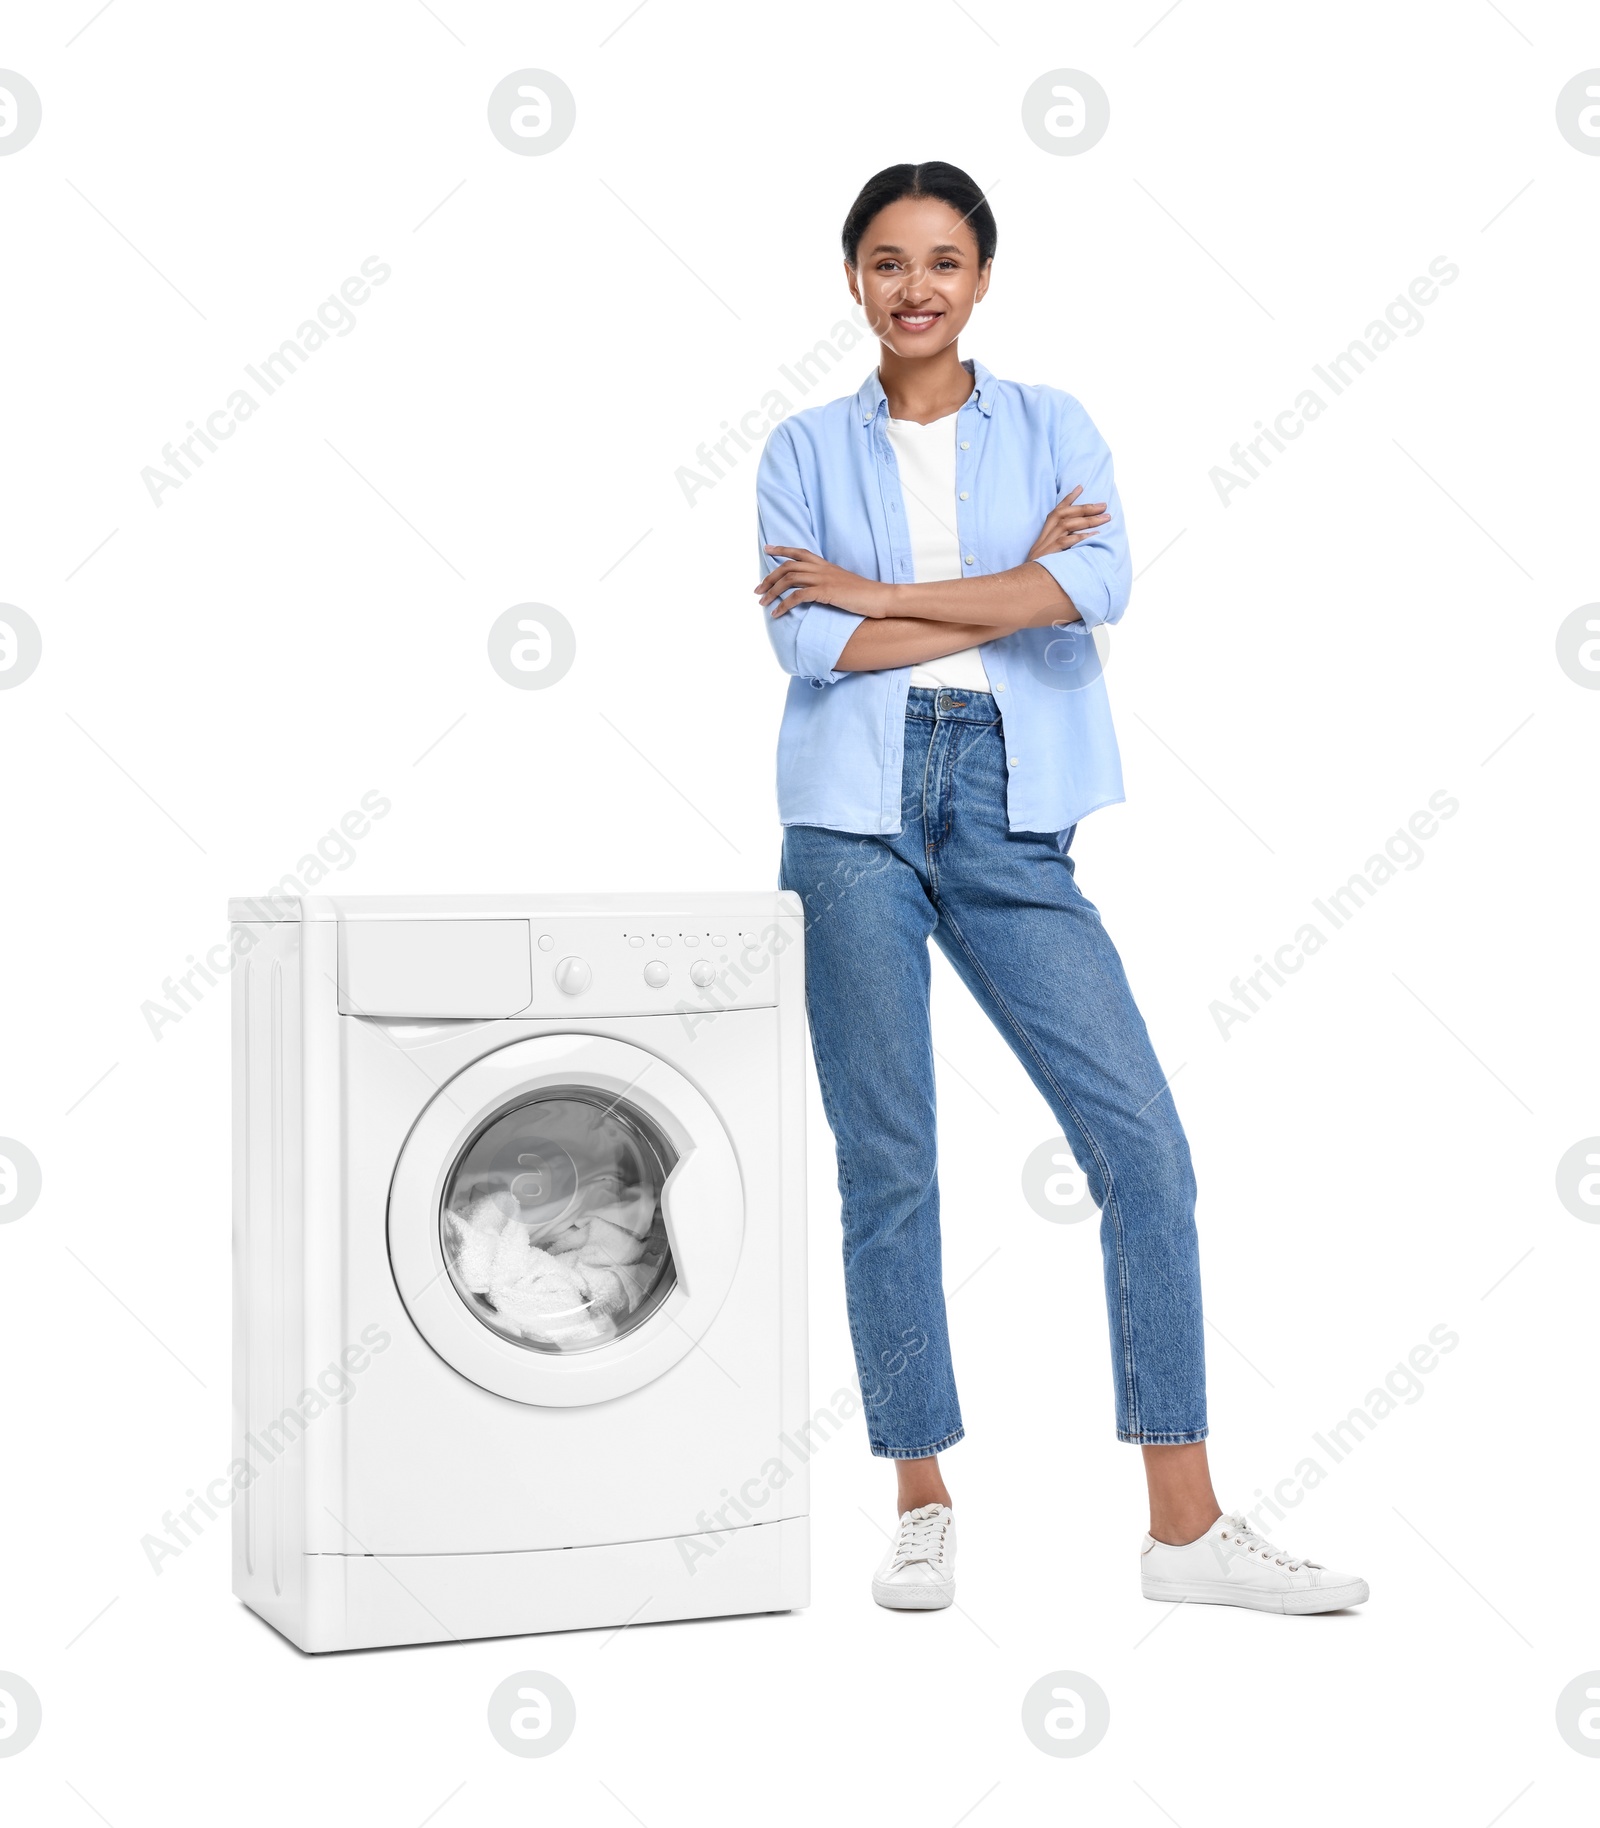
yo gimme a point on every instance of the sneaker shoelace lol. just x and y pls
(921, 1535)
(1253, 1543)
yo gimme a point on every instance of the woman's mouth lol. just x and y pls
(917, 320)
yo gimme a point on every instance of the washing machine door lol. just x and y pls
(565, 1219)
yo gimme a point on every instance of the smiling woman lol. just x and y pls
(923, 542)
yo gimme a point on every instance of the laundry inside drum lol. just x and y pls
(552, 1226)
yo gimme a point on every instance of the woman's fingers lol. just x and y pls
(791, 555)
(1078, 516)
(789, 602)
(1071, 514)
(781, 578)
(1058, 537)
(796, 563)
(1067, 501)
(791, 571)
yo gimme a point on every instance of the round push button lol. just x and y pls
(656, 974)
(547, 942)
(573, 976)
(703, 972)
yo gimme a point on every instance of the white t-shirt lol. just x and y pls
(926, 455)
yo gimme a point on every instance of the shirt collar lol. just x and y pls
(871, 399)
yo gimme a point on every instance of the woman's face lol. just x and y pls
(919, 276)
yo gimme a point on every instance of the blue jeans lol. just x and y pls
(1006, 911)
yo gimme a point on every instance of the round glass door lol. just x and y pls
(620, 1139)
(551, 1220)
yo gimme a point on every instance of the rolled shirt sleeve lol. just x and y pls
(1095, 573)
(809, 639)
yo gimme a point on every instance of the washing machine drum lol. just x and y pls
(552, 1226)
(565, 1219)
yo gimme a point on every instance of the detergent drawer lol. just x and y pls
(434, 968)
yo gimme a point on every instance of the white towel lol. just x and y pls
(610, 1244)
(617, 1292)
(476, 1237)
(549, 1310)
(606, 1197)
(472, 1251)
(490, 1211)
(514, 1255)
(564, 1272)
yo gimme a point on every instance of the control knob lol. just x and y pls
(573, 976)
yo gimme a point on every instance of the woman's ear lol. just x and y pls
(983, 279)
(850, 281)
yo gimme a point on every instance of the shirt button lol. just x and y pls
(1011, 761)
(999, 685)
(971, 560)
(962, 496)
(965, 445)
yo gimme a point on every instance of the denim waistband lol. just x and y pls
(950, 704)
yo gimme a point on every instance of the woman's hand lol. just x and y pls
(804, 578)
(1068, 522)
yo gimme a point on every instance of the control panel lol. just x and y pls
(558, 965)
(594, 966)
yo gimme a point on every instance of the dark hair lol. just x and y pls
(949, 183)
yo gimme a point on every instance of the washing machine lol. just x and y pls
(519, 1249)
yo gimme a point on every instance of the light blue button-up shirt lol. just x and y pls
(828, 482)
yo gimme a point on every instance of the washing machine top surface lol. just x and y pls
(271, 908)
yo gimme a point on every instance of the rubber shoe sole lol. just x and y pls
(924, 1597)
(1299, 1601)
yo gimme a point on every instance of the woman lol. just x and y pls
(937, 551)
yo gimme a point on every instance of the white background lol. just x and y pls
(1372, 620)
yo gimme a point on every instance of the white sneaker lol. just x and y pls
(1233, 1566)
(919, 1571)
